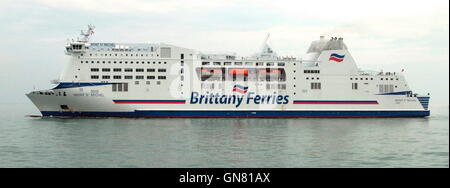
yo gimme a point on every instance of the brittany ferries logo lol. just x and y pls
(240, 89)
(336, 57)
(243, 97)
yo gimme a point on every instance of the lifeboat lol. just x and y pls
(239, 72)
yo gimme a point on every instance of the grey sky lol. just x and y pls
(384, 34)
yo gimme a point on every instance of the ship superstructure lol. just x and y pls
(166, 81)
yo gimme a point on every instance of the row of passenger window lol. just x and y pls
(389, 79)
(221, 86)
(125, 70)
(312, 71)
(241, 63)
(361, 78)
(126, 62)
(372, 79)
(128, 77)
(121, 54)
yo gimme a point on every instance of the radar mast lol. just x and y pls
(86, 35)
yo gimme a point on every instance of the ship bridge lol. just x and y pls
(82, 44)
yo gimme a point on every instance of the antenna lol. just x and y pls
(86, 35)
(265, 42)
(267, 38)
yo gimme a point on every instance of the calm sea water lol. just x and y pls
(113, 142)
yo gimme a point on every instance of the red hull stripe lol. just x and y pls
(149, 101)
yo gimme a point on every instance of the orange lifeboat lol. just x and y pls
(239, 72)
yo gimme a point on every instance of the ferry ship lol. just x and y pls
(157, 80)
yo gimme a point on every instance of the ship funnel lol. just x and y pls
(318, 46)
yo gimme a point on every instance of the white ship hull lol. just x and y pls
(103, 104)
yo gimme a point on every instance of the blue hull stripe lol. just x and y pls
(65, 85)
(398, 93)
(243, 114)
